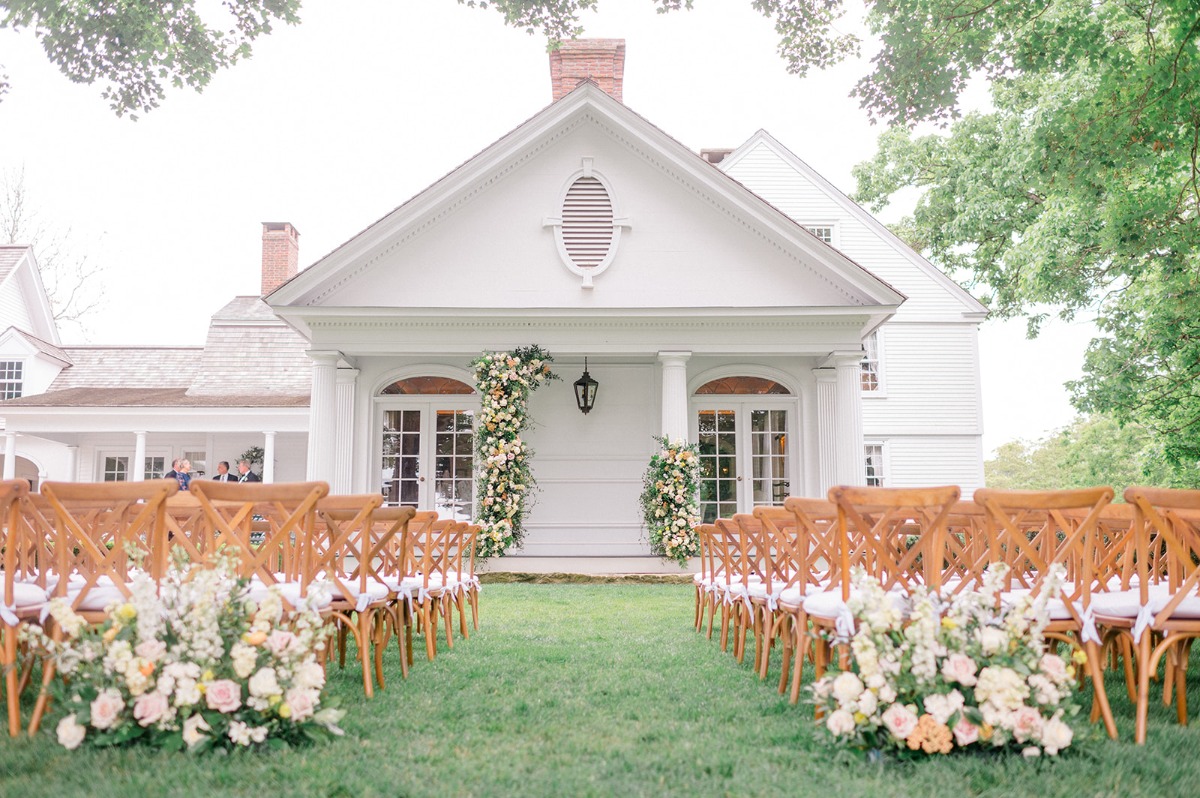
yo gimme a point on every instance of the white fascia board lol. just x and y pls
(35, 294)
(971, 305)
(36, 420)
(529, 138)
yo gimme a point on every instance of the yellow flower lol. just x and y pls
(985, 731)
(284, 711)
(112, 633)
(860, 718)
(255, 638)
(125, 613)
(275, 699)
(1080, 657)
(949, 623)
(208, 676)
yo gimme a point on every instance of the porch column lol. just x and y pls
(343, 458)
(139, 457)
(268, 474)
(10, 455)
(826, 428)
(674, 394)
(848, 425)
(322, 423)
(72, 464)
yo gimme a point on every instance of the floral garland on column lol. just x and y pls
(670, 506)
(504, 481)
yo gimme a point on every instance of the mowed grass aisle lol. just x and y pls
(599, 690)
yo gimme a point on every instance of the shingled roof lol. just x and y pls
(251, 352)
(128, 367)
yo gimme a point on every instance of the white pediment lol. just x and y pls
(484, 237)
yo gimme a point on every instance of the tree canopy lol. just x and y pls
(134, 50)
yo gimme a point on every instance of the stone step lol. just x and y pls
(598, 565)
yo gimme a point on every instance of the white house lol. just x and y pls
(725, 297)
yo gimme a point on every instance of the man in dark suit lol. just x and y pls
(223, 474)
(246, 475)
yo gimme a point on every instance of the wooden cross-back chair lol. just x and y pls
(702, 579)
(352, 534)
(1167, 527)
(815, 551)
(104, 533)
(465, 582)
(766, 575)
(399, 570)
(896, 536)
(432, 550)
(1034, 530)
(188, 532)
(269, 528)
(733, 584)
(22, 598)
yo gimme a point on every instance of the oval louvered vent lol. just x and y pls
(587, 222)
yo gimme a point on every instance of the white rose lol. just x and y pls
(71, 732)
(992, 640)
(1056, 735)
(193, 730)
(887, 694)
(239, 733)
(309, 676)
(847, 687)
(264, 684)
(941, 707)
(840, 723)
(868, 703)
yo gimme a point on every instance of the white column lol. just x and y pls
(268, 474)
(139, 456)
(826, 428)
(343, 457)
(322, 423)
(10, 455)
(848, 425)
(674, 394)
(72, 464)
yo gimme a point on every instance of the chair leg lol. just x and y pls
(428, 623)
(474, 608)
(43, 699)
(786, 633)
(1143, 693)
(801, 646)
(1097, 672)
(11, 692)
(768, 637)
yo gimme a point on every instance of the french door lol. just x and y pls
(428, 455)
(744, 455)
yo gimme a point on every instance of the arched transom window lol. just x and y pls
(753, 386)
(427, 385)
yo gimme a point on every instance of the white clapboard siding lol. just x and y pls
(772, 176)
(13, 310)
(930, 381)
(959, 461)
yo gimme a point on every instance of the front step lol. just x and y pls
(595, 566)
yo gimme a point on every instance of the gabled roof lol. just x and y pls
(249, 351)
(970, 304)
(19, 268)
(312, 287)
(48, 349)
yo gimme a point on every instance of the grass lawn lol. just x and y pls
(597, 689)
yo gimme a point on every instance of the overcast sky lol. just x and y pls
(332, 124)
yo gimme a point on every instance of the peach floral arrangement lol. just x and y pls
(195, 664)
(928, 678)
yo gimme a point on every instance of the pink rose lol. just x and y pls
(965, 732)
(150, 707)
(1026, 724)
(302, 703)
(224, 695)
(900, 721)
(106, 709)
(960, 668)
(280, 642)
(151, 650)
(1053, 666)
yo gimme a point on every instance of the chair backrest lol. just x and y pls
(727, 541)
(188, 532)
(774, 529)
(816, 543)
(13, 493)
(434, 549)
(896, 535)
(1032, 530)
(1167, 527)
(33, 548)
(405, 559)
(106, 531)
(343, 537)
(269, 527)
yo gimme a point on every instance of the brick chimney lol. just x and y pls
(280, 254)
(601, 60)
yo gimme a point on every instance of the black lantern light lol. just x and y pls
(585, 390)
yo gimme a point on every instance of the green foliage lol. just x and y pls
(670, 500)
(254, 456)
(136, 49)
(1092, 451)
(1077, 194)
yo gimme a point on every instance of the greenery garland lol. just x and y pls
(504, 481)
(670, 503)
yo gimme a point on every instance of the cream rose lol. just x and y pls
(106, 709)
(264, 684)
(840, 723)
(151, 650)
(193, 730)
(1026, 724)
(223, 695)
(1056, 735)
(310, 676)
(1053, 666)
(847, 687)
(992, 640)
(302, 703)
(71, 732)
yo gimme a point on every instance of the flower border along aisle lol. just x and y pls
(670, 507)
(505, 483)
(946, 678)
(192, 662)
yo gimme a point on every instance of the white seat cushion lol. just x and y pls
(289, 591)
(25, 594)
(97, 598)
(829, 604)
(792, 596)
(1117, 604)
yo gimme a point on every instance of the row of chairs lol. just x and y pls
(1132, 586)
(386, 568)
